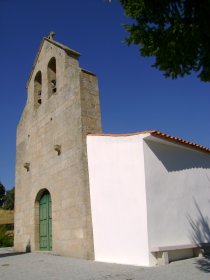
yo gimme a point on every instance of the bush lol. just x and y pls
(6, 238)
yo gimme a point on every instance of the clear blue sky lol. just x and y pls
(134, 96)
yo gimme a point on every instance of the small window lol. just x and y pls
(52, 84)
(38, 90)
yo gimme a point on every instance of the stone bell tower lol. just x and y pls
(52, 206)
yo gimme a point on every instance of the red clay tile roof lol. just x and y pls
(162, 135)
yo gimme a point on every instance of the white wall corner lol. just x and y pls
(118, 199)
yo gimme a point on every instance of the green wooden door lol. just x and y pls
(45, 222)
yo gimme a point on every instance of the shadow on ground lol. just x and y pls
(10, 254)
(203, 264)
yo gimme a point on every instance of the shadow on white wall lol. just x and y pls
(200, 235)
(176, 158)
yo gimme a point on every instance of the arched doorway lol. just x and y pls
(45, 222)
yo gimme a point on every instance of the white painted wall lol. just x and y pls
(118, 201)
(178, 194)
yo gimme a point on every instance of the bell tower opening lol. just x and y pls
(51, 71)
(38, 90)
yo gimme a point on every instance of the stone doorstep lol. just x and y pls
(46, 252)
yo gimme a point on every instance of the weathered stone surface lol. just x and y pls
(63, 119)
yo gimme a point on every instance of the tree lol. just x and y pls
(176, 32)
(2, 194)
(9, 201)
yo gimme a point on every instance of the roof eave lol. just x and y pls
(155, 134)
(178, 141)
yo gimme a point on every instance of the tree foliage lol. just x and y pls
(6, 238)
(9, 201)
(177, 33)
(2, 194)
(7, 198)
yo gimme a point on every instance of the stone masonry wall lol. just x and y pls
(62, 119)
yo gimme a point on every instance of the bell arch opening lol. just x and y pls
(38, 90)
(51, 72)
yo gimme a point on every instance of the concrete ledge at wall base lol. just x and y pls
(167, 254)
(173, 247)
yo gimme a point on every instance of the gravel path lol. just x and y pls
(42, 266)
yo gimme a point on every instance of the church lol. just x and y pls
(139, 199)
